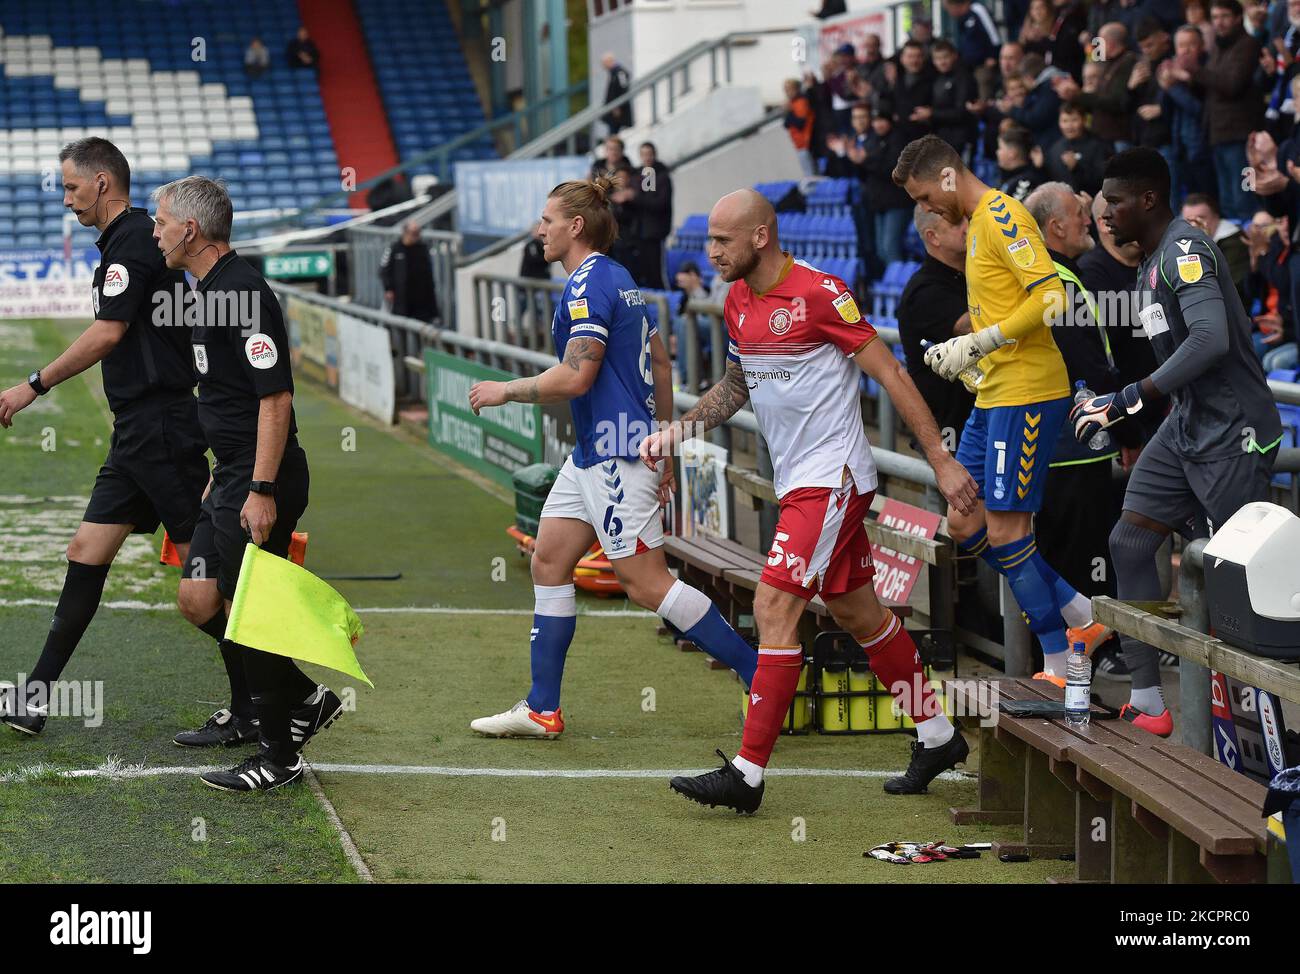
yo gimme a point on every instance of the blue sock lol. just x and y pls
(716, 637)
(1034, 593)
(554, 622)
(1064, 592)
(689, 611)
(978, 544)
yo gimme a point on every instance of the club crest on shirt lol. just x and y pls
(780, 321)
(1022, 252)
(1189, 268)
(1151, 278)
(201, 359)
(847, 308)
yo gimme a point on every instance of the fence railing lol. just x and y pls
(367, 253)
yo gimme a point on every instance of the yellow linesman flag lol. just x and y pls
(284, 609)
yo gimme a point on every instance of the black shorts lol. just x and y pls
(155, 470)
(217, 547)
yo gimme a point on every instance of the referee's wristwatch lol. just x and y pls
(266, 487)
(34, 380)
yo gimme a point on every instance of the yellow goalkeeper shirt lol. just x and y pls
(1011, 281)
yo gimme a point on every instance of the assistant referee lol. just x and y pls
(155, 470)
(260, 482)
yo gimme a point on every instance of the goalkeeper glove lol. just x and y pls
(1093, 415)
(949, 359)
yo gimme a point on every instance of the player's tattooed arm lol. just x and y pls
(560, 383)
(580, 350)
(523, 390)
(721, 402)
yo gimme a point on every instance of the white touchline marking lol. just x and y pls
(113, 769)
(349, 847)
(128, 605)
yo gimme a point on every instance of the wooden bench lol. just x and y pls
(1129, 806)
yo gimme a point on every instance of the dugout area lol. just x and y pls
(422, 798)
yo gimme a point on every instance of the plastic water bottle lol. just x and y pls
(1078, 687)
(1100, 439)
(971, 376)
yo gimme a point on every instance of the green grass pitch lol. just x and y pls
(393, 505)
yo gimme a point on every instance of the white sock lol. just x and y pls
(683, 606)
(1078, 613)
(555, 600)
(1150, 700)
(935, 731)
(1054, 663)
(752, 772)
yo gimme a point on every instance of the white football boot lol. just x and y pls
(520, 721)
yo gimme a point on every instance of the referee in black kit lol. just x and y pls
(259, 485)
(155, 470)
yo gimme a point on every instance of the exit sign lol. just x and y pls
(314, 263)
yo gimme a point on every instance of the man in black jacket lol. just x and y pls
(619, 82)
(407, 273)
(953, 89)
(653, 205)
(912, 93)
(933, 309)
(1078, 157)
(1016, 170)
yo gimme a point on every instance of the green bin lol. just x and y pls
(532, 484)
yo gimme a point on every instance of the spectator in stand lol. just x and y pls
(1270, 285)
(953, 90)
(932, 308)
(1279, 62)
(844, 161)
(1151, 123)
(690, 283)
(407, 274)
(302, 52)
(1069, 27)
(618, 168)
(1017, 174)
(839, 73)
(1040, 109)
(1233, 104)
(1035, 32)
(1109, 104)
(257, 59)
(1190, 168)
(616, 119)
(911, 93)
(652, 202)
(1079, 510)
(1256, 21)
(1202, 211)
(1109, 272)
(1126, 12)
(890, 203)
(799, 122)
(1196, 13)
(1277, 182)
(1078, 157)
(1010, 57)
(977, 41)
(922, 32)
(872, 66)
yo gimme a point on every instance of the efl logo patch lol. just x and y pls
(1022, 252)
(847, 308)
(578, 309)
(780, 321)
(261, 352)
(201, 359)
(1189, 268)
(115, 280)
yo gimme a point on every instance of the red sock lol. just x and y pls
(897, 666)
(775, 681)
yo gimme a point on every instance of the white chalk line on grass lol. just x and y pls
(349, 847)
(129, 605)
(114, 770)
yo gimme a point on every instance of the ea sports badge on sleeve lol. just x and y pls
(1022, 252)
(1189, 268)
(847, 308)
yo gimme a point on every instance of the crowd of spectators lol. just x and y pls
(1054, 89)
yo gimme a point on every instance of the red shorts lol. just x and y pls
(820, 545)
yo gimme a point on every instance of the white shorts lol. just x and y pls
(619, 498)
